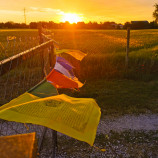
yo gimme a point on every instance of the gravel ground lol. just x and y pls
(128, 122)
(128, 136)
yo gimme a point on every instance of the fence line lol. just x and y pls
(11, 61)
(20, 72)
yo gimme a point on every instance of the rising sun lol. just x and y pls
(71, 18)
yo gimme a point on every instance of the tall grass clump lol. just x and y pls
(143, 65)
(95, 66)
(106, 51)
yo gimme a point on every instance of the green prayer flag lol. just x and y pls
(44, 89)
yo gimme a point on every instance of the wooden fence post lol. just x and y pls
(41, 140)
(55, 145)
(127, 48)
(42, 52)
(52, 57)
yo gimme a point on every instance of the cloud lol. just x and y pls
(50, 10)
(47, 10)
(9, 12)
(34, 8)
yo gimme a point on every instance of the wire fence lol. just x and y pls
(11, 45)
(19, 73)
(107, 51)
(23, 63)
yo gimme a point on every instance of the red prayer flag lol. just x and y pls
(61, 81)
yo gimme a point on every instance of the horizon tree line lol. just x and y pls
(81, 25)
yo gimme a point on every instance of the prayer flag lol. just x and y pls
(64, 63)
(75, 53)
(75, 117)
(43, 89)
(64, 71)
(61, 81)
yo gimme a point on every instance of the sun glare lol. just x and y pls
(71, 18)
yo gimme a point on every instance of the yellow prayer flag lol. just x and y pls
(75, 117)
(77, 54)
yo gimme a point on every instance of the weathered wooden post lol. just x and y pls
(127, 48)
(54, 134)
(41, 140)
(41, 41)
(52, 56)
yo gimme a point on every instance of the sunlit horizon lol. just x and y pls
(119, 11)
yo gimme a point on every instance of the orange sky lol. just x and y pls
(88, 10)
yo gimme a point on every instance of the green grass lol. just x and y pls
(117, 97)
(17, 33)
(143, 65)
(105, 41)
(25, 39)
(105, 49)
(93, 41)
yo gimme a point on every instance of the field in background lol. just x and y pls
(105, 41)
(106, 50)
(25, 39)
(91, 41)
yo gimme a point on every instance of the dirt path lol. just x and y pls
(145, 122)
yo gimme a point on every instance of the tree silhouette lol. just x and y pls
(155, 13)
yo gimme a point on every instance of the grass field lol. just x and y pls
(92, 41)
(119, 97)
(106, 50)
(105, 41)
(117, 91)
(25, 39)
